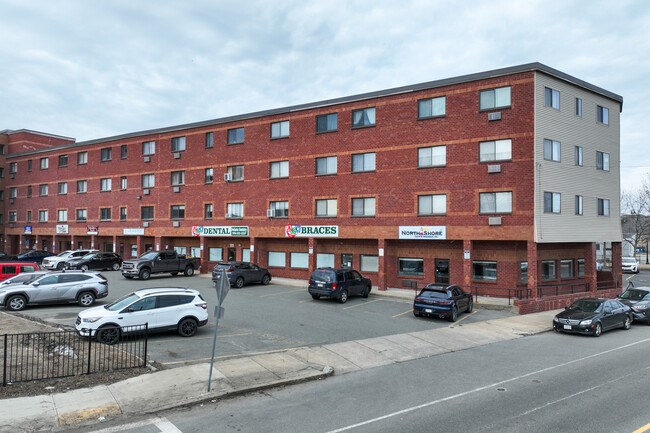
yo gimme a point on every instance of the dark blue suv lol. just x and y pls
(338, 284)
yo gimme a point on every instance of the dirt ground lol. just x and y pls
(17, 323)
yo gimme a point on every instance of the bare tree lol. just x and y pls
(635, 216)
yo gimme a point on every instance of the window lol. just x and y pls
(369, 263)
(235, 210)
(435, 156)
(497, 150)
(45, 163)
(82, 186)
(82, 158)
(277, 259)
(106, 184)
(603, 207)
(148, 148)
(523, 272)
(207, 211)
(146, 212)
(435, 204)
(325, 260)
(177, 212)
(327, 122)
(495, 202)
(279, 209)
(43, 190)
(208, 175)
(237, 172)
(279, 169)
(548, 270)
(13, 167)
(148, 181)
(29, 165)
(602, 161)
(280, 129)
(209, 139)
(566, 268)
(326, 165)
(82, 215)
(63, 160)
(363, 117)
(483, 270)
(432, 107)
(579, 208)
(326, 208)
(29, 216)
(107, 154)
(552, 98)
(578, 107)
(300, 260)
(363, 206)
(581, 268)
(105, 214)
(552, 150)
(552, 202)
(2, 172)
(363, 162)
(13, 192)
(494, 98)
(246, 254)
(123, 183)
(602, 115)
(12, 216)
(235, 135)
(579, 159)
(216, 254)
(178, 178)
(410, 267)
(42, 216)
(2, 195)
(122, 214)
(63, 188)
(178, 144)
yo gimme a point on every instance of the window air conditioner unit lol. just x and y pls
(177, 224)
(147, 159)
(494, 116)
(146, 192)
(227, 177)
(494, 168)
(494, 221)
(269, 213)
(177, 155)
(177, 189)
(145, 224)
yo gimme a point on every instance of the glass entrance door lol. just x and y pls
(442, 271)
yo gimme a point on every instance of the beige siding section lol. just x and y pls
(565, 177)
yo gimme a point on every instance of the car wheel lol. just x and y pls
(317, 297)
(343, 297)
(187, 327)
(108, 335)
(86, 299)
(470, 306)
(145, 274)
(189, 271)
(60, 266)
(598, 330)
(454, 314)
(116, 266)
(366, 292)
(84, 267)
(239, 282)
(266, 279)
(17, 303)
(628, 323)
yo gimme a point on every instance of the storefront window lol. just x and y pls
(246, 255)
(566, 268)
(369, 263)
(486, 271)
(277, 258)
(216, 254)
(195, 252)
(346, 261)
(411, 267)
(581, 268)
(324, 260)
(548, 270)
(300, 260)
(523, 277)
(134, 250)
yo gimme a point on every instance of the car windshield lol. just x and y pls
(324, 276)
(64, 254)
(22, 278)
(434, 294)
(629, 261)
(225, 266)
(88, 256)
(122, 302)
(148, 256)
(587, 305)
(634, 294)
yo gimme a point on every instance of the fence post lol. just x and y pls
(4, 364)
(90, 344)
(146, 340)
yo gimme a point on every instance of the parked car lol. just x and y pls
(630, 265)
(442, 301)
(55, 288)
(156, 262)
(338, 284)
(593, 316)
(163, 309)
(23, 277)
(240, 273)
(9, 269)
(638, 299)
(58, 261)
(95, 261)
(36, 256)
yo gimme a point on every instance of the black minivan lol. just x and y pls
(338, 284)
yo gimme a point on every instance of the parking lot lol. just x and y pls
(265, 319)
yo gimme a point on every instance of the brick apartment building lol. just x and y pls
(502, 181)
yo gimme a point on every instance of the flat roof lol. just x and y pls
(528, 67)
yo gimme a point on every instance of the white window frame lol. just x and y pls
(178, 178)
(299, 260)
(278, 169)
(326, 165)
(331, 208)
(178, 144)
(62, 215)
(498, 202)
(369, 263)
(280, 129)
(554, 199)
(148, 148)
(552, 98)
(552, 150)
(235, 210)
(364, 162)
(364, 117)
(432, 204)
(277, 259)
(106, 184)
(144, 180)
(368, 203)
(433, 156)
(497, 97)
(495, 150)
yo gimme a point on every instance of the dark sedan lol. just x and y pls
(33, 256)
(240, 273)
(95, 261)
(638, 299)
(442, 301)
(593, 316)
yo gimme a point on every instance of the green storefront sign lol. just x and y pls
(219, 231)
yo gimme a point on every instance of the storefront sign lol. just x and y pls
(219, 231)
(61, 229)
(92, 230)
(133, 232)
(423, 232)
(28, 230)
(293, 231)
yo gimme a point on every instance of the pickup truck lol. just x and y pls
(157, 262)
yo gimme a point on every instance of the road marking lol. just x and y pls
(161, 423)
(200, 338)
(642, 429)
(291, 349)
(482, 388)
(460, 320)
(167, 427)
(401, 314)
(281, 293)
(362, 304)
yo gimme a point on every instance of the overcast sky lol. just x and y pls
(92, 69)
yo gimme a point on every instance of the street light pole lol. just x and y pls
(646, 251)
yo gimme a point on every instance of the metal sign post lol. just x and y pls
(223, 286)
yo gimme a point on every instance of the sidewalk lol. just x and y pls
(181, 386)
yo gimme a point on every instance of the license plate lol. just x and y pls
(320, 284)
(427, 310)
(567, 326)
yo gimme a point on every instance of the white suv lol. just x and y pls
(630, 265)
(162, 309)
(58, 262)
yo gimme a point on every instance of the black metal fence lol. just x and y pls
(44, 355)
(561, 289)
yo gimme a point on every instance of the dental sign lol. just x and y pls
(423, 232)
(219, 231)
(293, 231)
